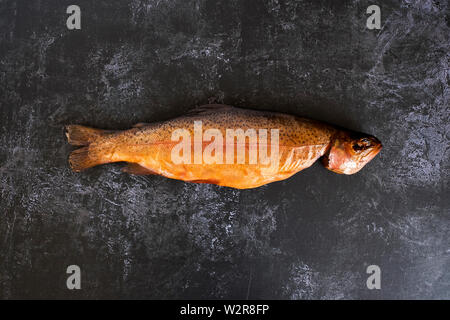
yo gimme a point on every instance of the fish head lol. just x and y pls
(350, 151)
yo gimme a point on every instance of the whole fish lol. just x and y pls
(224, 145)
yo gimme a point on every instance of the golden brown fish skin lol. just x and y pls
(148, 146)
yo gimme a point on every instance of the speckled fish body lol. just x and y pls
(148, 148)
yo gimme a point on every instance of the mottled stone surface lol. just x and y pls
(308, 237)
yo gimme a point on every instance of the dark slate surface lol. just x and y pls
(309, 237)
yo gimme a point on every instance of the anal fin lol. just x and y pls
(137, 169)
(208, 181)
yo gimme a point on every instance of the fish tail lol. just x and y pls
(83, 136)
(91, 154)
(84, 158)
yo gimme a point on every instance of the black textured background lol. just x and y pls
(308, 237)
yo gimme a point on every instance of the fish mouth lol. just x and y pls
(378, 147)
(373, 152)
(375, 145)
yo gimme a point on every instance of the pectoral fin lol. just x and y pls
(136, 169)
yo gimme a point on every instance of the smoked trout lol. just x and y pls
(224, 145)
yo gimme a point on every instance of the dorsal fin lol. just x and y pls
(141, 124)
(208, 109)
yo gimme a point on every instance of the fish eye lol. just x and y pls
(357, 147)
(361, 144)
